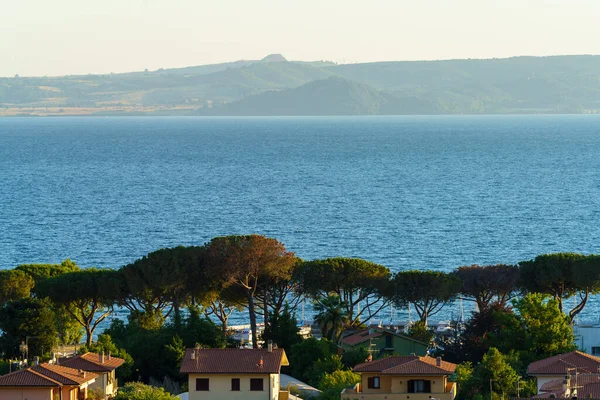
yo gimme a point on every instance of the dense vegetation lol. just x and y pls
(273, 86)
(171, 293)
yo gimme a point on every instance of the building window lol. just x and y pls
(373, 382)
(596, 351)
(235, 384)
(202, 384)
(256, 384)
(419, 386)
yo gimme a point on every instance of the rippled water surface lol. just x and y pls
(406, 192)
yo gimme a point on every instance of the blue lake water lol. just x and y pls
(407, 192)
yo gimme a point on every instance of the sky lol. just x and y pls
(60, 37)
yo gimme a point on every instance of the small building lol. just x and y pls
(578, 386)
(384, 341)
(402, 377)
(102, 365)
(46, 382)
(587, 337)
(561, 366)
(235, 374)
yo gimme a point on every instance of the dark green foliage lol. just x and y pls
(306, 353)
(160, 283)
(331, 384)
(332, 317)
(352, 280)
(39, 272)
(427, 291)
(14, 285)
(282, 329)
(157, 353)
(559, 276)
(87, 295)
(321, 367)
(351, 358)
(27, 317)
(140, 391)
(488, 284)
(419, 331)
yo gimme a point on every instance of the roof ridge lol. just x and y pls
(43, 376)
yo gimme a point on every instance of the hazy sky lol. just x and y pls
(43, 37)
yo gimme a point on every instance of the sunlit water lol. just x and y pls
(406, 192)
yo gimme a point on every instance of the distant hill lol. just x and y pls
(560, 84)
(331, 96)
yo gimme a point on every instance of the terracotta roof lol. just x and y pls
(91, 362)
(367, 334)
(559, 364)
(582, 380)
(407, 365)
(234, 361)
(27, 378)
(64, 375)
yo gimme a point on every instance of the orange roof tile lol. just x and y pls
(91, 362)
(234, 361)
(27, 378)
(407, 365)
(64, 375)
(558, 365)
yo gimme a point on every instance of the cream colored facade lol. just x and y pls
(26, 393)
(395, 387)
(220, 387)
(105, 382)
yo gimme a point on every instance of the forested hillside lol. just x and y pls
(561, 84)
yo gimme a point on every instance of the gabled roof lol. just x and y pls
(233, 361)
(27, 378)
(587, 384)
(91, 362)
(407, 365)
(558, 365)
(64, 375)
(46, 375)
(367, 334)
(580, 380)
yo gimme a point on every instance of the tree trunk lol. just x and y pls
(89, 332)
(177, 316)
(252, 315)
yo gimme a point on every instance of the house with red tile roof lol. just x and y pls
(384, 342)
(102, 365)
(560, 366)
(580, 385)
(46, 382)
(235, 374)
(402, 377)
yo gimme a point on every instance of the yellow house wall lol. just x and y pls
(26, 393)
(399, 384)
(220, 387)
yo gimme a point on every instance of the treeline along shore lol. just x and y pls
(59, 304)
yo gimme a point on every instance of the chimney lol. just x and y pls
(36, 360)
(83, 374)
(101, 357)
(438, 362)
(270, 346)
(109, 355)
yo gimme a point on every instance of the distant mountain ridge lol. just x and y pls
(276, 86)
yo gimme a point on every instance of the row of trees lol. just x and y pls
(258, 274)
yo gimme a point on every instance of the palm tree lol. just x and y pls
(331, 316)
